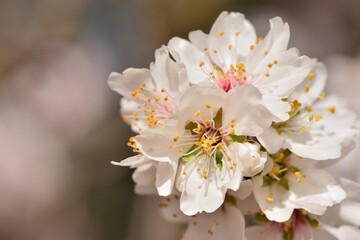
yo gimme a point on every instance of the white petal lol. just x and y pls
(170, 210)
(230, 29)
(128, 81)
(127, 108)
(248, 206)
(271, 140)
(312, 86)
(251, 117)
(200, 194)
(226, 224)
(167, 73)
(316, 191)
(165, 177)
(191, 57)
(343, 232)
(274, 43)
(144, 177)
(263, 233)
(244, 191)
(279, 209)
(199, 39)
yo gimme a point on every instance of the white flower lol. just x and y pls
(295, 183)
(231, 55)
(212, 136)
(149, 95)
(317, 128)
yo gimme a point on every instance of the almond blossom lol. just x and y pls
(231, 55)
(213, 141)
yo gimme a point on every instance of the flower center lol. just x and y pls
(235, 76)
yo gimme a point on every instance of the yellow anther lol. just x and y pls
(230, 46)
(221, 33)
(181, 150)
(318, 117)
(162, 90)
(311, 75)
(259, 39)
(215, 51)
(322, 96)
(201, 64)
(269, 65)
(267, 75)
(270, 198)
(166, 98)
(304, 129)
(207, 121)
(197, 113)
(220, 145)
(153, 109)
(157, 99)
(199, 128)
(232, 131)
(237, 34)
(331, 109)
(275, 61)
(205, 49)
(233, 125)
(171, 146)
(134, 114)
(207, 105)
(198, 169)
(232, 120)
(299, 176)
(154, 89)
(309, 109)
(184, 173)
(307, 88)
(252, 47)
(266, 53)
(311, 117)
(176, 137)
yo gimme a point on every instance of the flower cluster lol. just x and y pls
(229, 125)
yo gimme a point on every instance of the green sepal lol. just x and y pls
(261, 217)
(218, 158)
(268, 180)
(219, 71)
(191, 126)
(284, 183)
(218, 117)
(312, 222)
(237, 138)
(190, 154)
(289, 235)
(231, 199)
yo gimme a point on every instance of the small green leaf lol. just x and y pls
(191, 126)
(261, 218)
(268, 180)
(284, 183)
(219, 71)
(312, 222)
(190, 154)
(237, 138)
(218, 159)
(230, 199)
(218, 117)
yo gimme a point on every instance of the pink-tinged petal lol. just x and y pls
(197, 64)
(244, 105)
(128, 81)
(271, 140)
(165, 177)
(315, 191)
(230, 39)
(227, 223)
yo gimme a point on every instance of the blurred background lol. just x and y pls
(59, 122)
